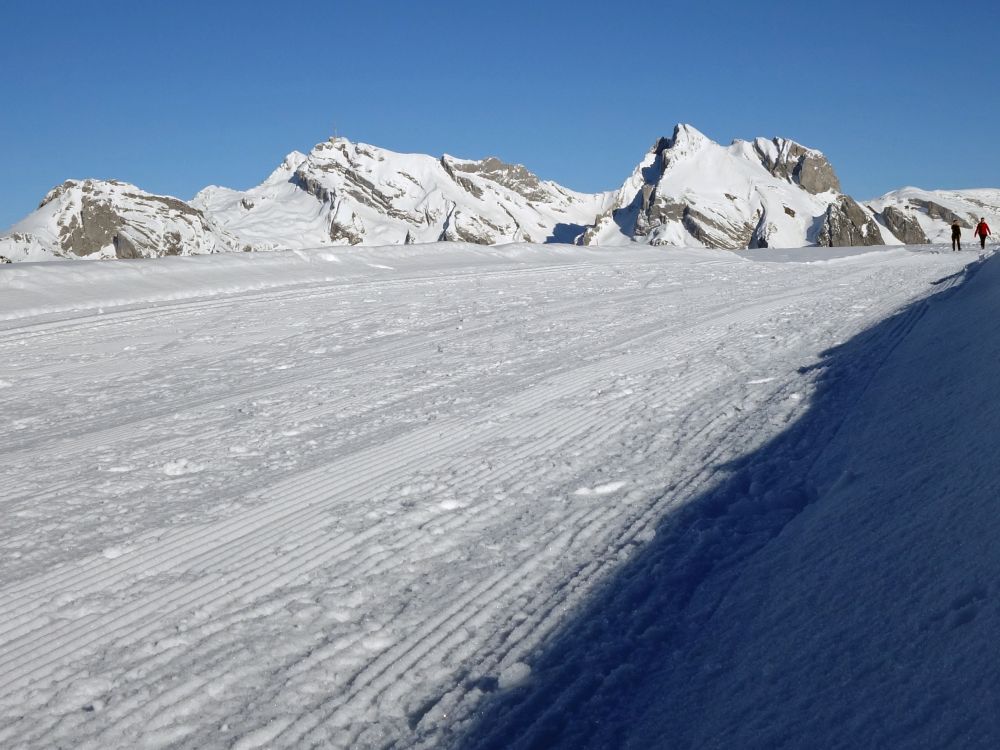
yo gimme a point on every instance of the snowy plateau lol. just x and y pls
(687, 191)
(464, 496)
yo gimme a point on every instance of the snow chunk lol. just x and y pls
(514, 675)
(602, 489)
(181, 467)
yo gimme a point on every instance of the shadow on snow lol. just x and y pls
(594, 676)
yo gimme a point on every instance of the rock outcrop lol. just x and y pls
(903, 225)
(847, 224)
(937, 211)
(111, 219)
(803, 166)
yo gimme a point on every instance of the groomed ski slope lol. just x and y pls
(525, 496)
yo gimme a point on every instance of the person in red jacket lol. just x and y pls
(982, 231)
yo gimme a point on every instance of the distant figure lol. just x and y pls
(956, 236)
(982, 232)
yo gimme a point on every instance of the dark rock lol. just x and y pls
(92, 229)
(124, 247)
(937, 211)
(846, 224)
(904, 226)
(795, 163)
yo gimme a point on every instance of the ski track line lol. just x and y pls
(590, 566)
(743, 314)
(219, 356)
(139, 309)
(588, 531)
(531, 404)
(362, 357)
(587, 525)
(85, 441)
(546, 612)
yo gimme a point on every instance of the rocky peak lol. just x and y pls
(108, 218)
(847, 224)
(685, 142)
(514, 177)
(802, 166)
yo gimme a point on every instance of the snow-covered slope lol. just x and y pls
(453, 497)
(934, 210)
(691, 191)
(345, 193)
(111, 219)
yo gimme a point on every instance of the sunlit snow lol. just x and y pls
(516, 496)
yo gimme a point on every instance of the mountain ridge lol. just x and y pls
(687, 190)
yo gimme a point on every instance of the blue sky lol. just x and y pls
(175, 96)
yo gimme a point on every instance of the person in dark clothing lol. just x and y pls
(956, 236)
(982, 232)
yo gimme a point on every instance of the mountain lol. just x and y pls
(356, 194)
(686, 191)
(111, 219)
(690, 191)
(934, 210)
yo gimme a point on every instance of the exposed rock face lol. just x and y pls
(796, 163)
(92, 228)
(124, 247)
(110, 219)
(511, 176)
(847, 224)
(904, 226)
(937, 211)
(691, 191)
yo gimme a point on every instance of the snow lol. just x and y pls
(969, 205)
(514, 496)
(413, 196)
(727, 184)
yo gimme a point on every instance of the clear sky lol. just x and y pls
(177, 95)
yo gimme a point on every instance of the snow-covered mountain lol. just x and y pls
(111, 219)
(345, 193)
(934, 210)
(690, 191)
(686, 191)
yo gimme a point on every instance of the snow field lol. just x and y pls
(341, 500)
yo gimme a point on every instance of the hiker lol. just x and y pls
(956, 236)
(982, 232)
